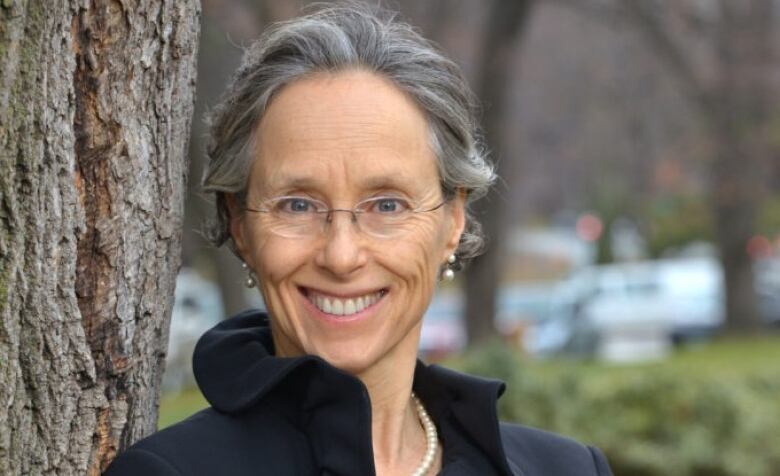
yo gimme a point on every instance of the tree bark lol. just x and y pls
(95, 105)
(506, 22)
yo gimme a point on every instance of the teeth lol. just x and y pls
(343, 307)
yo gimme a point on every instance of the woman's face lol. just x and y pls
(341, 138)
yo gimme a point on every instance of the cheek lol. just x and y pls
(415, 259)
(274, 258)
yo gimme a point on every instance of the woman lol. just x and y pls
(343, 160)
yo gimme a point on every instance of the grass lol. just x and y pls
(177, 407)
(722, 358)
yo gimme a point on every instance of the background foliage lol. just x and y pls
(712, 410)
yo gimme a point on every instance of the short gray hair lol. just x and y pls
(336, 38)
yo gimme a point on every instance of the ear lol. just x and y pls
(457, 215)
(237, 232)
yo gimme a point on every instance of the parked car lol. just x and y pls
(518, 306)
(521, 305)
(632, 311)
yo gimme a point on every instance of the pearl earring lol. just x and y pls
(251, 279)
(448, 274)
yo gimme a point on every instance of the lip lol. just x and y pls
(340, 320)
(305, 290)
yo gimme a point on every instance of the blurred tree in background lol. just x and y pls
(227, 26)
(733, 95)
(503, 30)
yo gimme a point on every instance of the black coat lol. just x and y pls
(301, 416)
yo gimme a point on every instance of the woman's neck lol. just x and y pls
(398, 439)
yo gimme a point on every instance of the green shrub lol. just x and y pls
(664, 419)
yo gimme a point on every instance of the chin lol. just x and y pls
(360, 356)
(352, 358)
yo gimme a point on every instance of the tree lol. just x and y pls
(505, 25)
(734, 105)
(96, 98)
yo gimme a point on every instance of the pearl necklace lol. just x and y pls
(430, 436)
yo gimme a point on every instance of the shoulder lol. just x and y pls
(166, 452)
(211, 442)
(538, 452)
(138, 460)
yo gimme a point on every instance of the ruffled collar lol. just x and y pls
(235, 367)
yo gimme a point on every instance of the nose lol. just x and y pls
(343, 252)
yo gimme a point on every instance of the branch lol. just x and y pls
(641, 14)
(698, 17)
(667, 49)
(599, 11)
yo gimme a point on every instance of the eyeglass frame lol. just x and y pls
(353, 211)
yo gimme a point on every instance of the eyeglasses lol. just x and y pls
(303, 217)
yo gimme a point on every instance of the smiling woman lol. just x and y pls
(328, 140)
(343, 160)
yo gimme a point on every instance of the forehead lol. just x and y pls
(351, 126)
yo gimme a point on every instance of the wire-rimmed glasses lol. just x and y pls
(304, 217)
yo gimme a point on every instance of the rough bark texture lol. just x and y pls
(95, 106)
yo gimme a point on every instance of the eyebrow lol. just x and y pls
(385, 181)
(291, 181)
(377, 182)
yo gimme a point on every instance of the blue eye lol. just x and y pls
(296, 205)
(389, 206)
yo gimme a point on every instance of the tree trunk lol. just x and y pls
(96, 100)
(735, 198)
(505, 24)
(735, 104)
(738, 111)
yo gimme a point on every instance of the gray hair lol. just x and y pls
(337, 38)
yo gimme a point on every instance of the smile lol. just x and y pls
(339, 306)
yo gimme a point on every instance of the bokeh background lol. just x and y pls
(630, 295)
